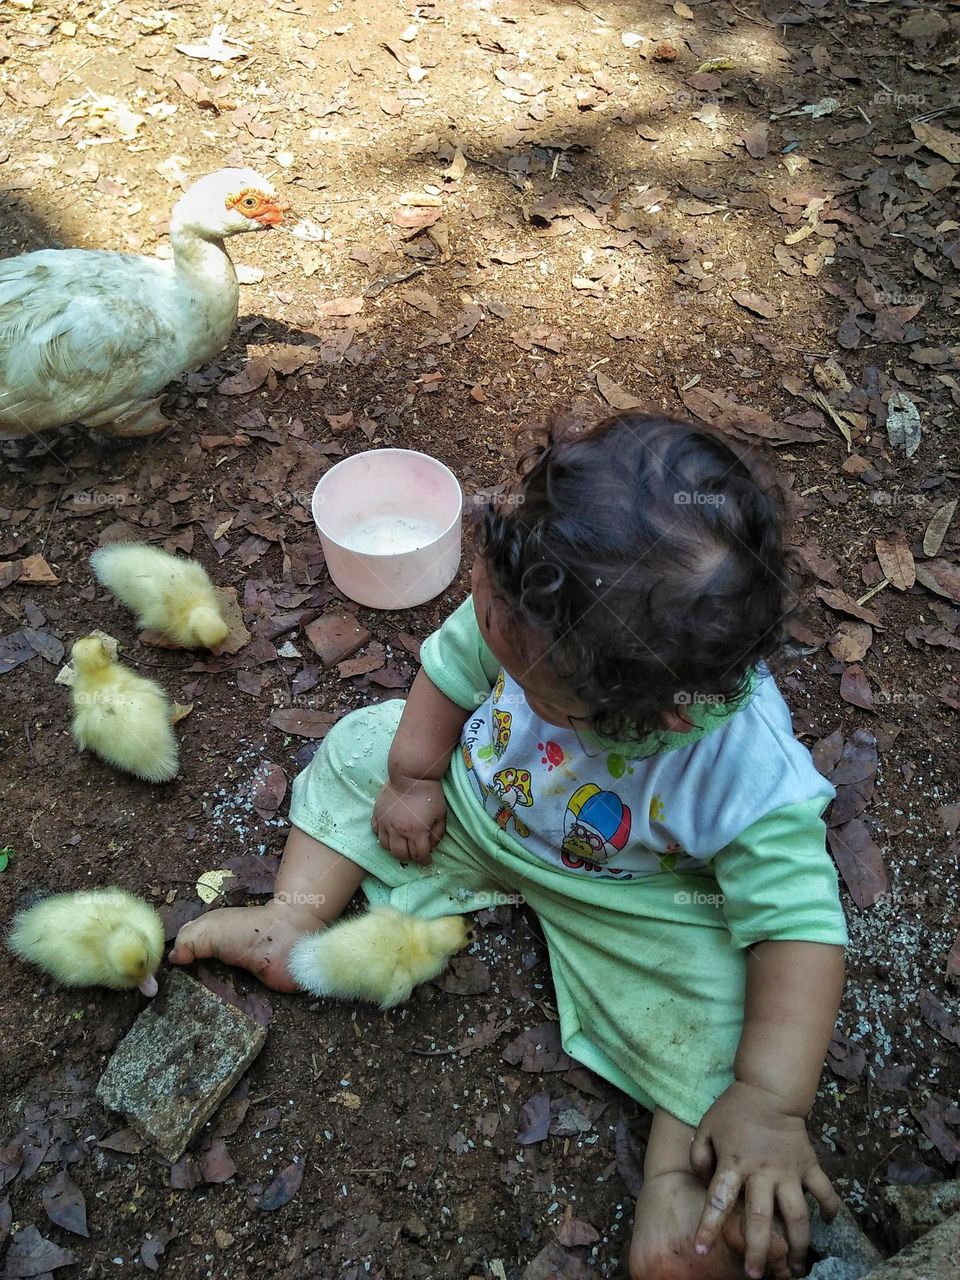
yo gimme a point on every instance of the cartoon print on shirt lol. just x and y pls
(552, 754)
(502, 720)
(596, 826)
(512, 787)
(671, 854)
(499, 686)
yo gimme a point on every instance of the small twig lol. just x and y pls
(750, 18)
(488, 164)
(53, 513)
(30, 743)
(496, 1091)
(873, 591)
(876, 1167)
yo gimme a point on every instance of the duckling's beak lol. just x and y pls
(148, 986)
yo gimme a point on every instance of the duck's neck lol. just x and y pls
(205, 260)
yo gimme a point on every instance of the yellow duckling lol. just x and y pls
(168, 593)
(99, 938)
(378, 956)
(122, 717)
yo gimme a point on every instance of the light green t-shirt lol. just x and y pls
(736, 800)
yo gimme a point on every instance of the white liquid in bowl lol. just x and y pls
(383, 535)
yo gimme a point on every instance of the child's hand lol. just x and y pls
(410, 817)
(747, 1143)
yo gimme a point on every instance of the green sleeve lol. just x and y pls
(778, 881)
(458, 661)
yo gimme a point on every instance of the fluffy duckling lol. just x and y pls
(122, 717)
(100, 938)
(168, 593)
(379, 956)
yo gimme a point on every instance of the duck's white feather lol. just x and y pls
(86, 335)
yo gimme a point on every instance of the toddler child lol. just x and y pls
(594, 729)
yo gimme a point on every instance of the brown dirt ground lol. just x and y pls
(636, 149)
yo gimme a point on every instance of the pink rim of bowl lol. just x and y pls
(380, 483)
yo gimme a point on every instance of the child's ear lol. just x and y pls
(675, 721)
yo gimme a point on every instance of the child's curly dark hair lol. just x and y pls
(652, 556)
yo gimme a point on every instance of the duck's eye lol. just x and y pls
(250, 202)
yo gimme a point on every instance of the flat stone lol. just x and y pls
(919, 1208)
(935, 1256)
(834, 1269)
(842, 1241)
(178, 1062)
(335, 635)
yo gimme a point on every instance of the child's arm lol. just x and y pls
(410, 814)
(753, 1139)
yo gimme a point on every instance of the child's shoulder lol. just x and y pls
(759, 733)
(749, 766)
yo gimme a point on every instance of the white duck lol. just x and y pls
(89, 336)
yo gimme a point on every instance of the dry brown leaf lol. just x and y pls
(415, 219)
(233, 617)
(851, 641)
(340, 307)
(456, 168)
(859, 861)
(855, 688)
(937, 528)
(756, 141)
(615, 395)
(937, 139)
(896, 561)
(756, 303)
(940, 576)
(842, 603)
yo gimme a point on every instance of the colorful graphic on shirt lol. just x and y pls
(596, 825)
(512, 787)
(656, 808)
(618, 765)
(502, 721)
(552, 754)
(499, 686)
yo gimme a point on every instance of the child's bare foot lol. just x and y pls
(668, 1211)
(254, 938)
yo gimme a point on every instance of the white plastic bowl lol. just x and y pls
(390, 525)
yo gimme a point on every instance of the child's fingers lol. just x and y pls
(702, 1156)
(722, 1196)
(758, 1221)
(796, 1224)
(821, 1188)
(398, 846)
(438, 830)
(419, 847)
